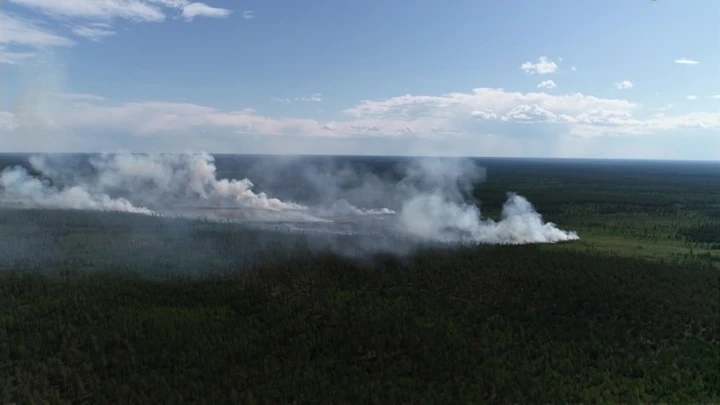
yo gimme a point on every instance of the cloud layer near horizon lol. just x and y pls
(70, 122)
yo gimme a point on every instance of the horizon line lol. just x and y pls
(301, 155)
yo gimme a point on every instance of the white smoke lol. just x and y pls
(180, 176)
(434, 217)
(433, 201)
(436, 208)
(19, 187)
(157, 183)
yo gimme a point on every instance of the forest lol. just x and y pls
(104, 307)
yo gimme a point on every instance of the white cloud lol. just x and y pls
(133, 10)
(691, 97)
(485, 115)
(76, 120)
(77, 96)
(573, 68)
(666, 107)
(15, 58)
(715, 97)
(625, 84)
(30, 37)
(136, 10)
(429, 117)
(170, 3)
(316, 98)
(90, 19)
(83, 112)
(94, 31)
(547, 84)
(577, 114)
(17, 31)
(483, 118)
(7, 122)
(541, 67)
(193, 10)
(494, 100)
(686, 61)
(248, 14)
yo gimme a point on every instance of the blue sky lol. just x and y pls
(556, 78)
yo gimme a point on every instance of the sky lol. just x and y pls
(512, 78)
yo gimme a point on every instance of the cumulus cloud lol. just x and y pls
(691, 97)
(625, 84)
(546, 84)
(686, 61)
(541, 67)
(573, 68)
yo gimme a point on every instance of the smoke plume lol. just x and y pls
(431, 202)
(438, 206)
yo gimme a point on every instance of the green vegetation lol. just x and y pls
(630, 313)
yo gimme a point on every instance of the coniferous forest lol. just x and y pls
(111, 308)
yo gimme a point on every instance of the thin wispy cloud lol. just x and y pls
(19, 31)
(15, 58)
(691, 97)
(30, 37)
(315, 98)
(248, 14)
(686, 61)
(88, 19)
(134, 10)
(94, 31)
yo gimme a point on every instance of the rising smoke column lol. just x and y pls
(434, 217)
(436, 208)
(179, 178)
